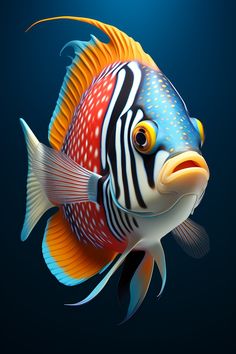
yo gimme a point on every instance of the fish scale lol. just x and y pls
(83, 145)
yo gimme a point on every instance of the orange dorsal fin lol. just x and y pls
(70, 260)
(90, 59)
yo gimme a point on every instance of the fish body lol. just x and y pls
(125, 169)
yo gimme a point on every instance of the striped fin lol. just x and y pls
(63, 180)
(53, 179)
(90, 59)
(68, 259)
(135, 279)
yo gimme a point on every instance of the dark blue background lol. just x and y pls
(192, 42)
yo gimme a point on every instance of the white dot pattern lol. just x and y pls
(82, 144)
(163, 104)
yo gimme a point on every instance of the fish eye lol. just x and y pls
(144, 136)
(199, 127)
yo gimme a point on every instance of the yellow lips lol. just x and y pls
(185, 173)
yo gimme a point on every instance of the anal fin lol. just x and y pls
(70, 260)
(130, 246)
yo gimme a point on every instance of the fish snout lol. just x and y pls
(184, 173)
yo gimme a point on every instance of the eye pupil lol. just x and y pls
(141, 138)
(144, 137)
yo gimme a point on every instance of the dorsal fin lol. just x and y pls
(90, 59)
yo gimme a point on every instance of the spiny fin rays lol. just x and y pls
(123, 44)
(90, 59)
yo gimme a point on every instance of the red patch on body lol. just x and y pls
(83, 145)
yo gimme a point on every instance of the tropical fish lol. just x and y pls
(124, 169)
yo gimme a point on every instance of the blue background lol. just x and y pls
(193, 43)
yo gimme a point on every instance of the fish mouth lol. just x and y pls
(185, 172)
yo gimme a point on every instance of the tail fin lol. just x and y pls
(37, 202)
(53, 179)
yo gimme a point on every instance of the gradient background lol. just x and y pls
(193, 43)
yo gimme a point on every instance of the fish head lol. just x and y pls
(159, 159)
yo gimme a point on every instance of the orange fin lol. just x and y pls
(70, 260)
(90, 59)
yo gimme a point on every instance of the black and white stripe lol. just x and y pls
(126, 88)
(110, 69)
(120, 223)
(132, 174)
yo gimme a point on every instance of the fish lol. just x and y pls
(124, 169)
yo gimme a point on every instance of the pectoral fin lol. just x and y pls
(192, 238)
